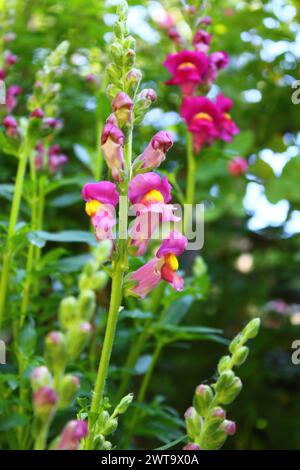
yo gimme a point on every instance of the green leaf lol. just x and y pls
(262, 169)
(40, 237)
(173, 443)
(142, 364)
(83, 155)
(8, 147)
(287, 185)
(177, 311)
(13, 421)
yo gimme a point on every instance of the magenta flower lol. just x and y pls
(52, 122)
(11, 97)
(112, 140)
(163, 266)
(122, 106)
(155, 152)
(10, 125)
(166, 22)
(44, 401)
(187, 69)
(238, 166)
(10, 59)
(2, 74)
(149, 188)
(202, 40)
(54, 161)
(101, 199)
(227, 127)
(72, 434)
(191, 446)
(202, 118)
(37, 113)
(216, 61)
(175, 36)
(148, 94)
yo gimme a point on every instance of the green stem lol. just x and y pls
(148, 375)
(116, 297)
(25, 151)
(139, 344)
(41, 438)
(191, 171)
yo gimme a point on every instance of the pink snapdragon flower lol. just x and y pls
(166, 22)
(11, 97)
(238, 166)
(2, 74)
(208, 121)
(216, 62)
(149, 194)
(10, 59)
(73, 433)
(155, 152)
(37, 113)
(11, 125)
(202, 40)
(101, 199)
(122, 106)
(112, 140)
(163, 266)
(187, 69)
(227, 127)
(44, 401)
(202, 118)
(55, 158)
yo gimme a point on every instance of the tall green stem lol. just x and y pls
(191, 171)
(24, 153)
(119, 268)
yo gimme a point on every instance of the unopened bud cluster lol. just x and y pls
(206, 423)
(52, 388)
(107, 423)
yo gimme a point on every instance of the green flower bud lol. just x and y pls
(99, 281)
(119, 29)
(55, 352)
(103, 251)
(214, 441)
(102, 420)
(68, 312)
(69, 385)
(41, 377)
(202, 399)
(44, 402)
(86, 304)
(122, 11)
(225, 380)
(229, 394)
(224, 364)
(193, 423)
(214, 420)
(240, 356)
(129, 58)
(116, 51)
(77, 338)
(112, 91)
(110, 426)
(251, 330)
(124, 404)
(129, 43)
(113, 73)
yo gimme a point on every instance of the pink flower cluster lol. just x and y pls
(190, 69)
(149, 196)
(53, 160)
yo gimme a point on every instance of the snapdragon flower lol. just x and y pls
(163, 267)
(73, 433)
(112, 140)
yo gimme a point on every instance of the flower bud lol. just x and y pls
(129, 43)
(55, 351)
(77, 338)
(110, 426)
(37, 113)
(224, 364)
(229, 427)
(129, 58)
(69, 385)
(240, 355)
(112, 91)
(191, 446)
(148, 94)
(225, 380)
(124, 404)
(238, 166)
(44, 401)
(68, 312)
(202, 399)
(218, 413)
(10, 125)
(193, 422)
(122, 11)
(40, 377)
(87, 304)
(122, 106)
(228, 394)
(103, 251)
(155, 152)
(215, 440)
(73, 433)
(251, 330)
(116, 51)
(10, 59)
(119, 29)
(2, 74)
(133, 77)
(112, 140)
(113, 73)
